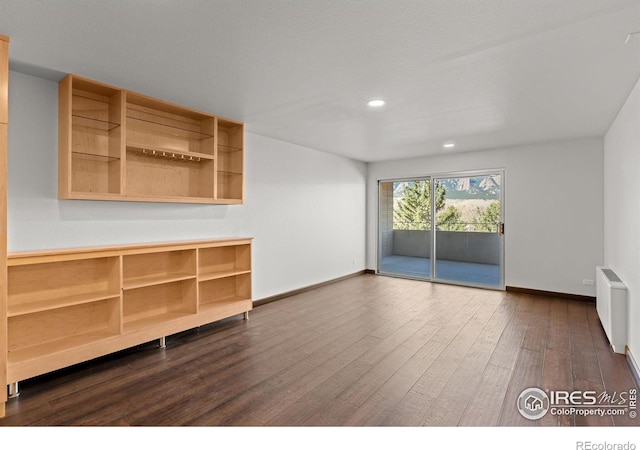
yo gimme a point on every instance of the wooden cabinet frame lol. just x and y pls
(4, 114)
(120, 145)
(69, 306)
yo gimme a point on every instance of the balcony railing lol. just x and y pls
(468, 246)
(478, 227)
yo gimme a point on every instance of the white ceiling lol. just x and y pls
(484, 74)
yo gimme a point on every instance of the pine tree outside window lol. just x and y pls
(413, 210)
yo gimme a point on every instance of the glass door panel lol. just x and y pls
(404, 228)
(468, 223)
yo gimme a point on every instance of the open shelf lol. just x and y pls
(164, 177)
(58, 346)
(157, 124)
(156, 303)
(90, 137)
(157, 128)
(228, 289)
(38, 287)
(150, 269)
(230, 164)
(120, 145)
(95, 173)
(60, 329)
(170, 151)
(230, 186)
(230, 161)
(221, 262)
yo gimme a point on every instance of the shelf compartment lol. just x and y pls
(222, 262)
(43, 333)
(159, 177)
(230, 134)
(141, 133)
(150, 269)
(146, 306)
(163, 112)
(156, 124)
(221, 290)
(230, 163)
(95, 106)
(160, 125)
(230, 186)
(94, 173)
(46, 349)
(37, 287)
(93, 136)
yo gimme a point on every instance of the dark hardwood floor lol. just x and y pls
(370, 350)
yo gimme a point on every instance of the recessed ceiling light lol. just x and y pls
(449, 145)
(377, 103)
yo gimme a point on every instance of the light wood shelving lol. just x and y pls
(42, 287)
(4, 117)
(224, 275)
(69, 306)
(149, 269)
(120, 145)
(230, 146)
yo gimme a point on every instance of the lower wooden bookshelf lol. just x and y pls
(73, 305)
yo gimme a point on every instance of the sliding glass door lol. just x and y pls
(405, 228)
(469, 226)
(461, 243)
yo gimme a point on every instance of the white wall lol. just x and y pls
(622, 207)
(553, 209)
(304, 208)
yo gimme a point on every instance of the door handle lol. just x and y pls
(500, 228)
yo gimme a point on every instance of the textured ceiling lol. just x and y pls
(484, 74)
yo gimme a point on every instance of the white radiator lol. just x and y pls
(611, 303)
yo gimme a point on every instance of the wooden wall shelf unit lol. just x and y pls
(4, 113)
(69, 306)
(119, 145)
